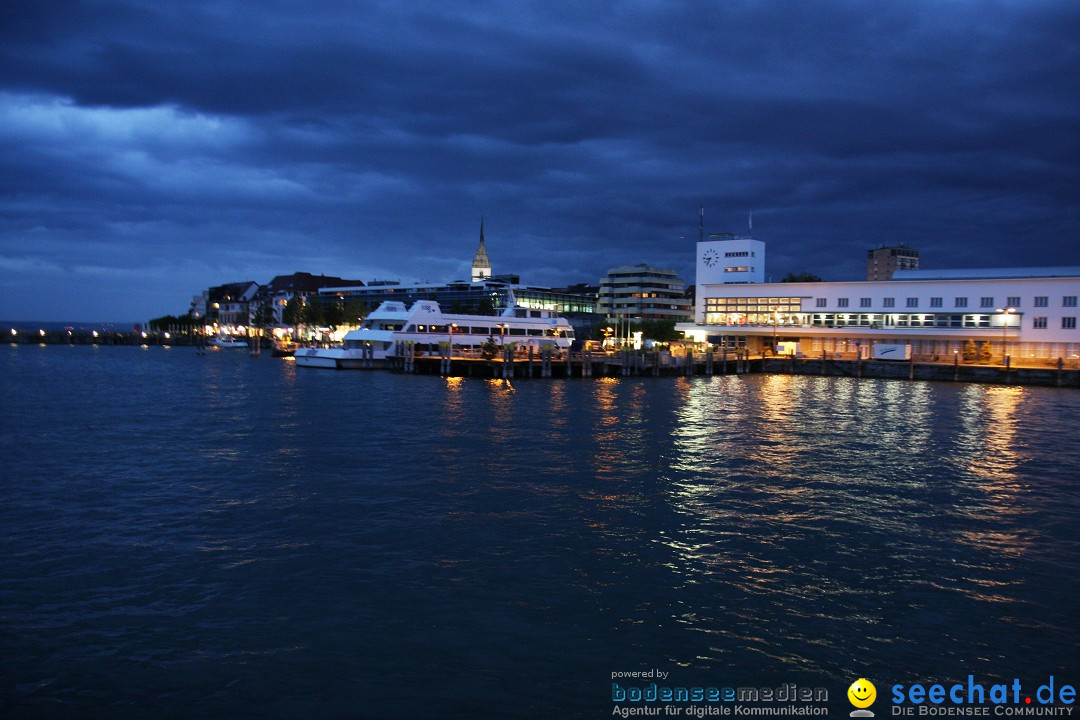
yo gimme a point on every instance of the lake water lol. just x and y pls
(223, 536)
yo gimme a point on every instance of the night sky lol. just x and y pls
(150, 149)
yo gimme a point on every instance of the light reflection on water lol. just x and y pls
(826, 499)
(277, 535)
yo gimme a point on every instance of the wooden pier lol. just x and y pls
(547, 363)
(516, 363)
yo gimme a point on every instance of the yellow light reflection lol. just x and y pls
(991, 454)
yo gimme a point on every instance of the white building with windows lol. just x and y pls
(643, 292)
(883, 262)
(724, 259)
(1027, 313)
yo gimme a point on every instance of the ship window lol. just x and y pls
(516, 331)
(411, 328)
(438, 328)
(536, 332)
(480, 330)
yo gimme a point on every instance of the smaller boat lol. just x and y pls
(335, 357)
(226, 342)
(284, 348)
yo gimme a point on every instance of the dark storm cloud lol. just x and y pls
(166, 147)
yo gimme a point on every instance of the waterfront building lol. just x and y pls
(884, 261)
(282, 288)
(229, 305)
(726, 259)
(633, 292)
(1027, 314)
(484, 294)
(489, 296)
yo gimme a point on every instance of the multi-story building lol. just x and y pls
(282, 288)
(643, 292)
(483, 294)
(1024, 313)
(229, 305)
(725, 259)
(884, 261)
(488, 296)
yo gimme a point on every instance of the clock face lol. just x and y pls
(710, 257)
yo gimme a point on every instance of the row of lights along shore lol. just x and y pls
(93, 333)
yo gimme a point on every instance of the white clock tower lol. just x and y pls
(723, 259)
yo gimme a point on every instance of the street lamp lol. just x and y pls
(502, 333)
(450, 329)
(775, 320)
(1005, 312)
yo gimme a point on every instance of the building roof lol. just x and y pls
(306, 283)
(232, 291)
(623, 269)
(986, 273)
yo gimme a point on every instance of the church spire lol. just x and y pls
(481, 265)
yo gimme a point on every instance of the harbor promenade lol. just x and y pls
(627, 363)
(630, 363)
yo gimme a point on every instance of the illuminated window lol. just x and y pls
(748, 310)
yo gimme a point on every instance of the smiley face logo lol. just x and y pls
(862, 693)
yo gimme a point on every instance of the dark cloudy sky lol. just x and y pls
(150, 149)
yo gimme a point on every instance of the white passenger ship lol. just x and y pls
(426, 325)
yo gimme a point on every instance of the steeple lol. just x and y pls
(481, 265)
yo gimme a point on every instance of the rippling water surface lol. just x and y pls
(229, 537)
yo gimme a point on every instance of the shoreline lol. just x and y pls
(642, 364)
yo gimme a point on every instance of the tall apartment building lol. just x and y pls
(643, 292)
(884, 261)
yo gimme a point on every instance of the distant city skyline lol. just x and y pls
(150, 151)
